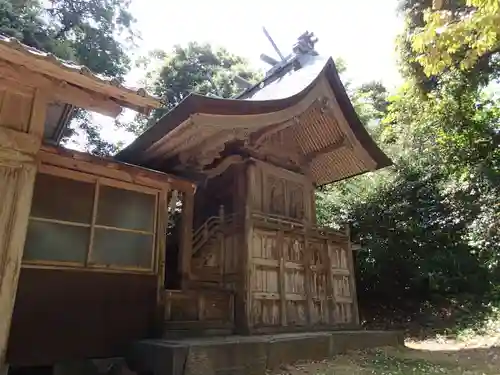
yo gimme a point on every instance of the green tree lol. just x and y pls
(433, 218)
(94, 33)
(457, 36)
(194, 68)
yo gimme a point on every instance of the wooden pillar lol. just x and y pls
(243, 247)
(20, 140)
(221, 240)
(308, 279)
(282, 278)
(352, 277)
(330, 291)
(187, 238)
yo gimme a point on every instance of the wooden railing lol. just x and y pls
(209, 229)
(286, 223)
(212, 225)
(205, 232)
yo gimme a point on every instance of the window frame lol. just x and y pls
(97, 182)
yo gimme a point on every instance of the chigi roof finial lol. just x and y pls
(302, 51)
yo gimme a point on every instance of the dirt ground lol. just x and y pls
(476, 356)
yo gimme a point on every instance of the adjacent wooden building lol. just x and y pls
(204, 225)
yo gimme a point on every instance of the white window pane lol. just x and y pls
(56, 242)
(125, 209)
(62, 199)
(117, 248)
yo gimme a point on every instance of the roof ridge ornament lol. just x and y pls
(302, 51)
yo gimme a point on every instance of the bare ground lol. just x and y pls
(476, 356)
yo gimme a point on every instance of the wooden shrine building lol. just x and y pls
(204, 225)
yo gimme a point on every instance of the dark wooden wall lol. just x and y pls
(68, 314)
(219, 190)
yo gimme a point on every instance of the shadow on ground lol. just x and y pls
(403, 361)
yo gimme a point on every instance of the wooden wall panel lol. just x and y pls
(16, 188)
(61, 315)
(298, 280)
(277, 191)
(15, 110)
(231, 253)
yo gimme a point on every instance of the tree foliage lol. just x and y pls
(457, 35)
(94, 33)
(429, 225)
(85, 31)
(194, 68)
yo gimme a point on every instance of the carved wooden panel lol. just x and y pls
(264, 283)
(341, 284)
(280, 147)
(277, 195)
(198, 305)
(298, 279)
(280, 192)
(296, 200)
(293, 249)
(264, 245)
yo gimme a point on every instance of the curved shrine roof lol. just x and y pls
(306, 111)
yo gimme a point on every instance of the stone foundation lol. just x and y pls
(249, 355)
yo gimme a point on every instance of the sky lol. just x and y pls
(361, 32)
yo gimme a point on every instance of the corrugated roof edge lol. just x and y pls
(195, 103)
(70, 67)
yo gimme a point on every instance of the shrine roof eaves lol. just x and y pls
(275, 100)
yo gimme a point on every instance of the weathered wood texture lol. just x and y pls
(277, 191)
(77, 311)
(63, 315)
(198, 311)
(22, 112)
(217, 235)
(16, 187)
(287, 273)
(299, 275)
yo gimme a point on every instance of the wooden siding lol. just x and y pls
(62, 315)
(22, 114)
(278, 191)
(299, 280)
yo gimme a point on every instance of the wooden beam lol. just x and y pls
(341, 143)
(186, 238)
(79, 161)
(352, 278)
(247, 267)
(330, 291)
(17, 178)
(16, 189)
(38, 114)
(281, 278)
(223, 166)
(59, 90)
(78, 76)
(20, 142)
(161, 236)
(308, 279)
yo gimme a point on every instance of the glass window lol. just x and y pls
(125, 209)
(62, 224)
(117, 248)
(56, 242)
(62, 199)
